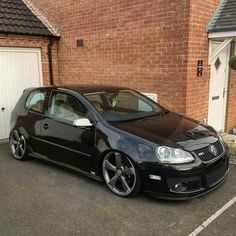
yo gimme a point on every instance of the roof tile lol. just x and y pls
(224, 18)
(17, 18)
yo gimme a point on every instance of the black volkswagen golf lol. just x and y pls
(119, 136)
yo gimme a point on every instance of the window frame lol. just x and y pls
(44, 103)
(63, 121)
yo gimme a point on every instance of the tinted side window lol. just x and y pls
(36, 100)
(66, 107)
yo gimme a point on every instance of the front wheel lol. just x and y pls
(121, 175)
(18, 146)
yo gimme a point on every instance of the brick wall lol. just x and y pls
(31, 42)
(197, 94)
(149, 45)
(140, 43)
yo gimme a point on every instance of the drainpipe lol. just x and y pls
(50, 45)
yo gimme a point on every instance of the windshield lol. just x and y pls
(123, 105)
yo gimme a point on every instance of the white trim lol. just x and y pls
(18, 49)
(213, 55)
(227, 34)
(40, 68)
(226, 87)
(210, 52)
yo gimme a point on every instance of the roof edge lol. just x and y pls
(4, 33)
(42, 17)
(214, 17)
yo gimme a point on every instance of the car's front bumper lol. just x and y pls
(197, 178)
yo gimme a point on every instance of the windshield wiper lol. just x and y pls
(152, 116)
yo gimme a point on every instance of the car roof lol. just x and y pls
(83, 89)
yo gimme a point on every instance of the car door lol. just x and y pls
(65, 143)
(35, 104)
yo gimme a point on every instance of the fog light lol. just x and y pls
(181, 187)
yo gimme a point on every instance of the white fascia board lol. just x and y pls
(228, 34)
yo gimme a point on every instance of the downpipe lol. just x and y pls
(50, 45)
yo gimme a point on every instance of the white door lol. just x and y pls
(20, 68)
(218, 90)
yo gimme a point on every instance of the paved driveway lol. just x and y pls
(41, 199)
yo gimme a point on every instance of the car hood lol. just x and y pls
(169, 128)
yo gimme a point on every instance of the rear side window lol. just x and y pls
(36, 100)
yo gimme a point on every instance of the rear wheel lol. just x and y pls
(18, 146)
(121, 175)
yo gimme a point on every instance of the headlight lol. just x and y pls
(172, 155)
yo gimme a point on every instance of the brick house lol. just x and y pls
(178, 50)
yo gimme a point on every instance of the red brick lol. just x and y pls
(148, 45)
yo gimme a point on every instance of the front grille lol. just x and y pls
(206, 155)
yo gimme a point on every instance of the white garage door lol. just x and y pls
(20, 68)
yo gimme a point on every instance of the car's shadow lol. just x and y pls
(95, 183)
(91, 181)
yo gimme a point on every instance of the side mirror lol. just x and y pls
(82, 122)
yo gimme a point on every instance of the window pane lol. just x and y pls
(96, 100)
(66, 107)
(143, 106)
(36, 100)
(120, 105)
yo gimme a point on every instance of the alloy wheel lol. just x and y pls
(18, 145)
(119, 174)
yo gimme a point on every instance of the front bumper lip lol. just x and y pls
(199, 178)
(188, 195)
(203, 189)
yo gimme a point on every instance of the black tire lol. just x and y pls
(121, 175)
(18, 146)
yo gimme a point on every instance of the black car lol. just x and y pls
(120, 136)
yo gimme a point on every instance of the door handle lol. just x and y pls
(3, 109)
(45, 126)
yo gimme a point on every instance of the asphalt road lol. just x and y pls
(41, 199)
